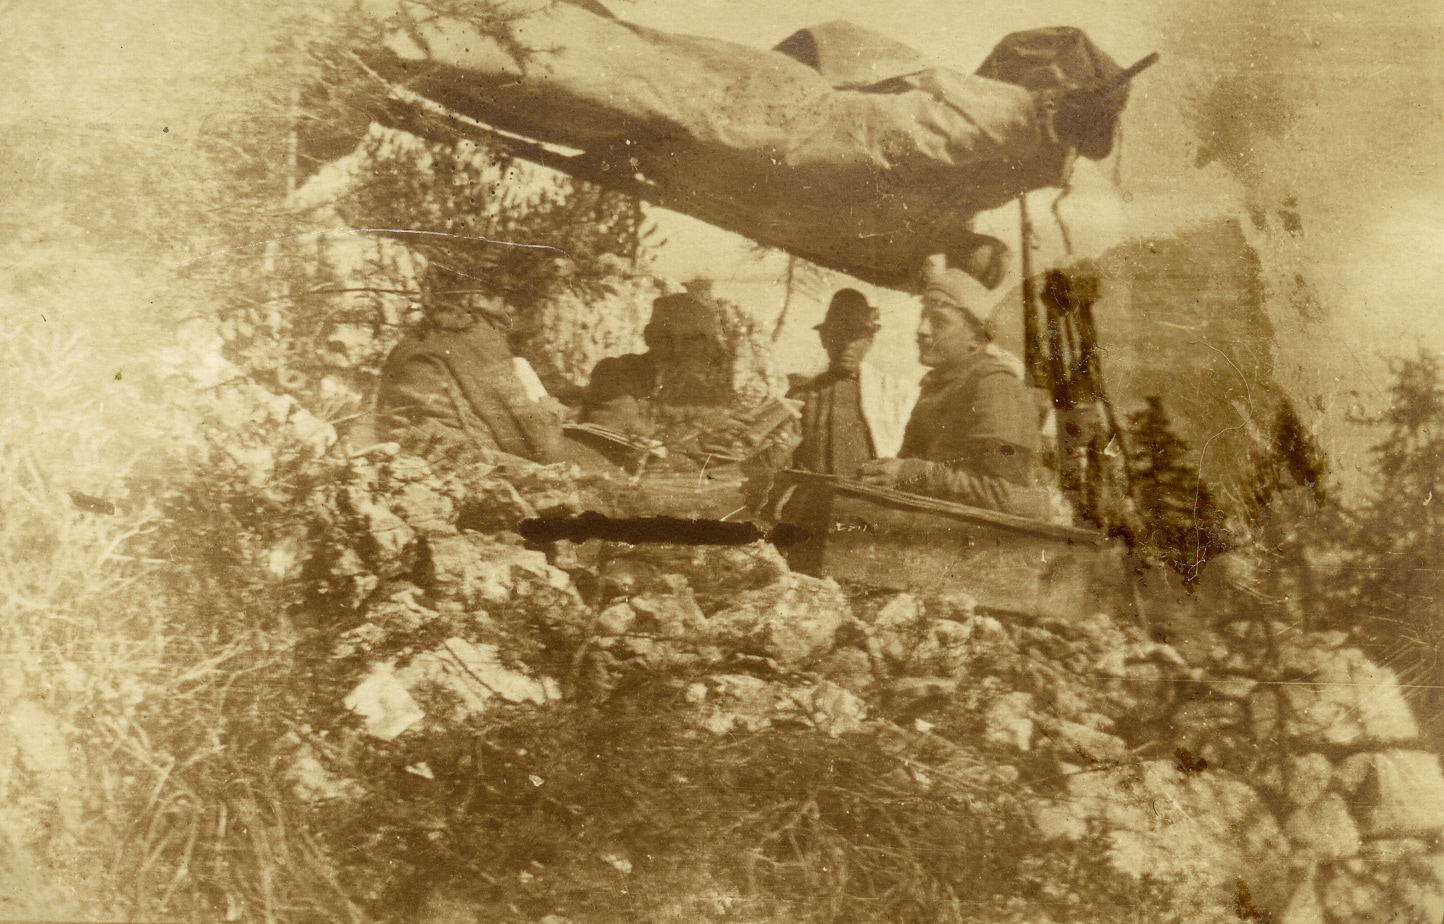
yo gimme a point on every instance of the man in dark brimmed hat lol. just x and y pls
(974, 435)
(852, 413)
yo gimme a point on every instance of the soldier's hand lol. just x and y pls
(892, 473)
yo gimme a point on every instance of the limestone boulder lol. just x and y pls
(1323, 829)
(425, 508)
(386, 537)
(477, 571)
(793, 621)
(1304, 906)
(1350, 898)
(1418, 888)
(459, 679)
(1403, 795)
(1348, 700)
(1306, 778)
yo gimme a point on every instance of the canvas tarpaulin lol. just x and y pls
(867, 161)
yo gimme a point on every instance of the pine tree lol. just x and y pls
(1391, 580)
(1177, 520)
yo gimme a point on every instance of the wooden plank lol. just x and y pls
(895, 540)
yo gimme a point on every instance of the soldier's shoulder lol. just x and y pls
(798, 382)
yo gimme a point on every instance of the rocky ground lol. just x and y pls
(599, 731)
(1247, 770)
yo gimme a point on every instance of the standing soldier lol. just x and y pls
(852, 413)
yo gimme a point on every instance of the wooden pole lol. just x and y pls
(1032, 347)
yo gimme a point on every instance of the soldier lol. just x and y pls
(453, 382)
(853, 412)
(973, 436)
(686, 366)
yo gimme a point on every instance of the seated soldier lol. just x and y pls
(853, 412)
(973, 436)
(452, 383)
(685, 366)
(679, 393)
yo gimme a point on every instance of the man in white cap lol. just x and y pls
(853, 412)
(974, 435)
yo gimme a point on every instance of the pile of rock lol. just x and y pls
(1330, 741)
(1249, 769)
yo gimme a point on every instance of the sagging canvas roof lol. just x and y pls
(840, 146)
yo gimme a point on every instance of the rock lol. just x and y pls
(474, 570)
(832, 709)
(718, 573)
(1322, 714)
(1304, 906)
(1324, 829)
(425, 510)
(400, 611)
(737, 702)
(1418, 887)
(470, 677)
(350, 577)
(1352, 701)
(1205, 829)
(1350, 899)
(794, 620)
(1405, 796)
(384, 704)
(1148, 690)
(1384, 711)
(898, 627)
(1306, 777)
(1009, 721)
(1231, 687)
(1208, 728)
(1091, 745)
(389, 532)
(905, 693)
(1059, 821)
(495, 505)
(1428, 867)
(1391, 850)
(312, 782)
(358, 640)
(850, 667)
(1265, 715)
(1419, 902)
(616, 619)
(672, 616)
(1352, 771)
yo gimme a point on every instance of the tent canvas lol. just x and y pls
(840, 146)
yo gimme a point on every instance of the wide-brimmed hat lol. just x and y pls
(850, 313)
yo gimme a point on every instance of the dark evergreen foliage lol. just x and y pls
(1177, 522)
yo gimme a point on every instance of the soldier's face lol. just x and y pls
(946, 336)
(449, 312)
(459, 311)
(681, 346)
(845, 351)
